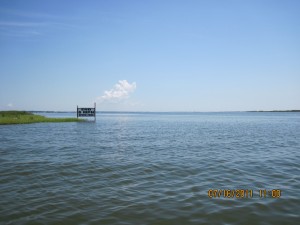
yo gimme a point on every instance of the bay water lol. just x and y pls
(153, 168)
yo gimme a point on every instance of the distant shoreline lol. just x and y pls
(47, 111)
(276, 111)
(24, 117)
(159, 112)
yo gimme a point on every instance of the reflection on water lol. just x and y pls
(151, 168)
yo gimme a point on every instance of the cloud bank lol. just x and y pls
(120, 91)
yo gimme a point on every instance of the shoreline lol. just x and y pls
(275, 111)
(49, 111)
(24, 117)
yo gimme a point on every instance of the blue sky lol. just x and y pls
(204, 55)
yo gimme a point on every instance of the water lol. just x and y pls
(151, 168)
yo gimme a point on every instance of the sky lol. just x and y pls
(156, 55)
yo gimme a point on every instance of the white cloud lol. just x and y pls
(9, 105)
(120, 91)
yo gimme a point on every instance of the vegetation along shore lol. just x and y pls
(23, 117)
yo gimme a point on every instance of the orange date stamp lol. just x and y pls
(243, 193)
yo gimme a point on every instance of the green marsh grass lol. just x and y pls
(23, 117)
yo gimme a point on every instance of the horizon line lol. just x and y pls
(125, 111)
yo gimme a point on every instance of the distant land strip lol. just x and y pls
(295, 110)
(23, 117)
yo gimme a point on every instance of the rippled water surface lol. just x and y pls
(152, 168)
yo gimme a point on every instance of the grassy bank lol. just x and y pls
(23, 117)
